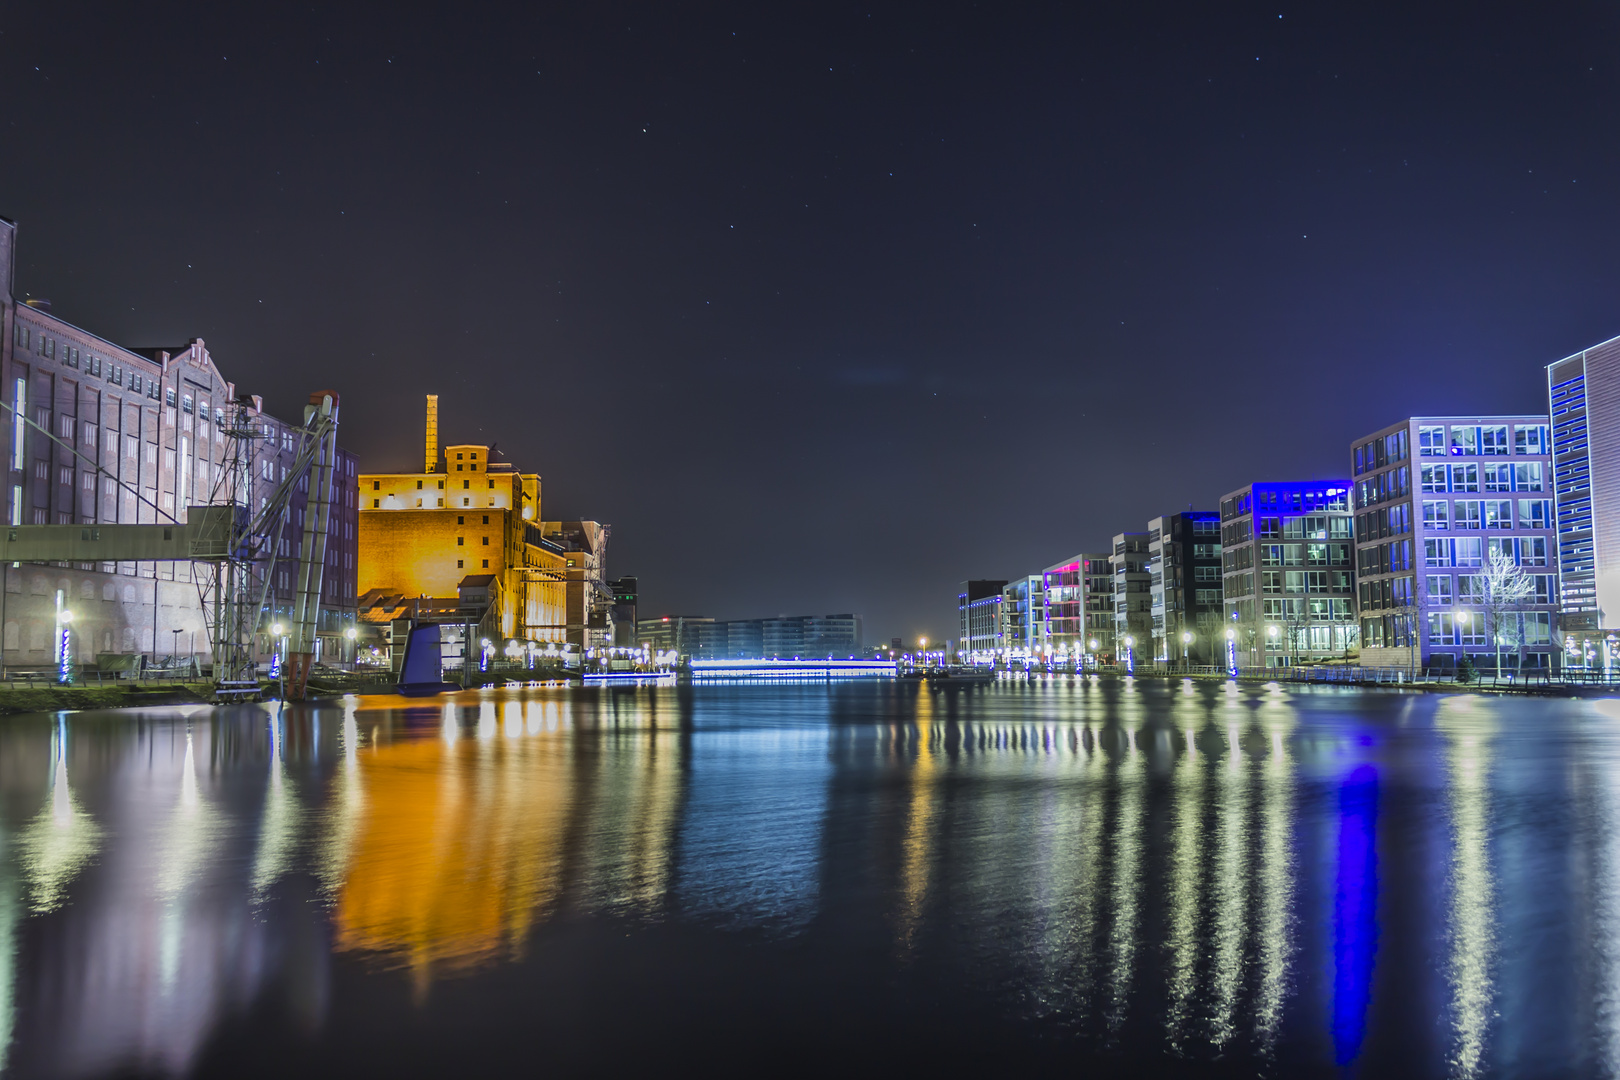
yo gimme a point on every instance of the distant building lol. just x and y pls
(1080, 605)
(1023, 617)
(1583, 393)
(978, 613)
(682, 634)
(1184, 586)
(1288, 579)
(786, 636)
(1435, 498)
(425, 535)
(1133, 594)
(624, 610)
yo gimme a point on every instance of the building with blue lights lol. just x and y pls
(1287, 577)
(1023, 617)
(1184, 586)
(1583, 402)
(1446, 509)
(978, 613)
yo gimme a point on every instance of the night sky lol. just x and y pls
(827, 308)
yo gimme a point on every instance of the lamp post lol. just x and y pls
(1186, 644)
(276, 672)
(1271, 633)
(1130, 655)
(1094, 646)
(64, 642)
(1231, 652)
(351, 633)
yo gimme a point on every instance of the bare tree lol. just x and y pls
(1507, 587)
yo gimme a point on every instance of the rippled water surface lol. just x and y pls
(1118, 878)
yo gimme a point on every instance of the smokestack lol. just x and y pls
(432, 432)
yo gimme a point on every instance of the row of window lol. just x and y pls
(1524, 476)
(1377, 453)
(1329, 500)
(98, 367)
(1311, 607)
(1469, 628)
(1473, 589)
(1442, 514)
(1304, 581)
(1482, 440)
(1304, 554)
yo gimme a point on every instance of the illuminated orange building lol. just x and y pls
(463, 535)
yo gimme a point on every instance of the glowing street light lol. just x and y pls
(1130, 656)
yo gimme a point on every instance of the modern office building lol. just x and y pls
(140, 435)
(1080, 605)
(784, 637)
(1287, 577)
(1184, 586)
(681, 634)
(1444, 506)
(978, 613)
(1133, 596)
(1023, 617)
(1583, 397)
(426, 538)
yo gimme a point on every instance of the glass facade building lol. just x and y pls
(978, 612)
(1080, 606)
(1448, 508)
(1583, 402)
(1287, 577)
(1184, 572)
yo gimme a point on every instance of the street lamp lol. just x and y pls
(1231, 652)
(1130, 657)
(64, 644)
(351, 633)
(1186, 643)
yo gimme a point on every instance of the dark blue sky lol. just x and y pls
(826, 308)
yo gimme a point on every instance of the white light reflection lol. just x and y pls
(1274, 933)
(280, 825)
(345, 809)
(1131, 777)
(1468, 729)
(1181, 943)
(55, 846)
(1230, 889)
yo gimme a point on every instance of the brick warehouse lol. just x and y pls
(150, 417)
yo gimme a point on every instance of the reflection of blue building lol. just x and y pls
(1287, 576)
(1355, 912)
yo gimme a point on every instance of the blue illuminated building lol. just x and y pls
(978, 611)
(1583, 395)
(1438, 499)
(1287, 576)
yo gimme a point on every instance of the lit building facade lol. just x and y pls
(978, 613)
(1437, 499)
(1583, 394)
(1184, 586)
(1023, 617)
(1288, 581)
(435, 535)
(145, 428)
(1080, 605)
(1133, 596)
(587, 602)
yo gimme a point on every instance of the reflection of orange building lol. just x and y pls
(457, 851)
(466, 532)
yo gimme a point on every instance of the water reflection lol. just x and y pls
(1469, 729)
(1197, 871)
